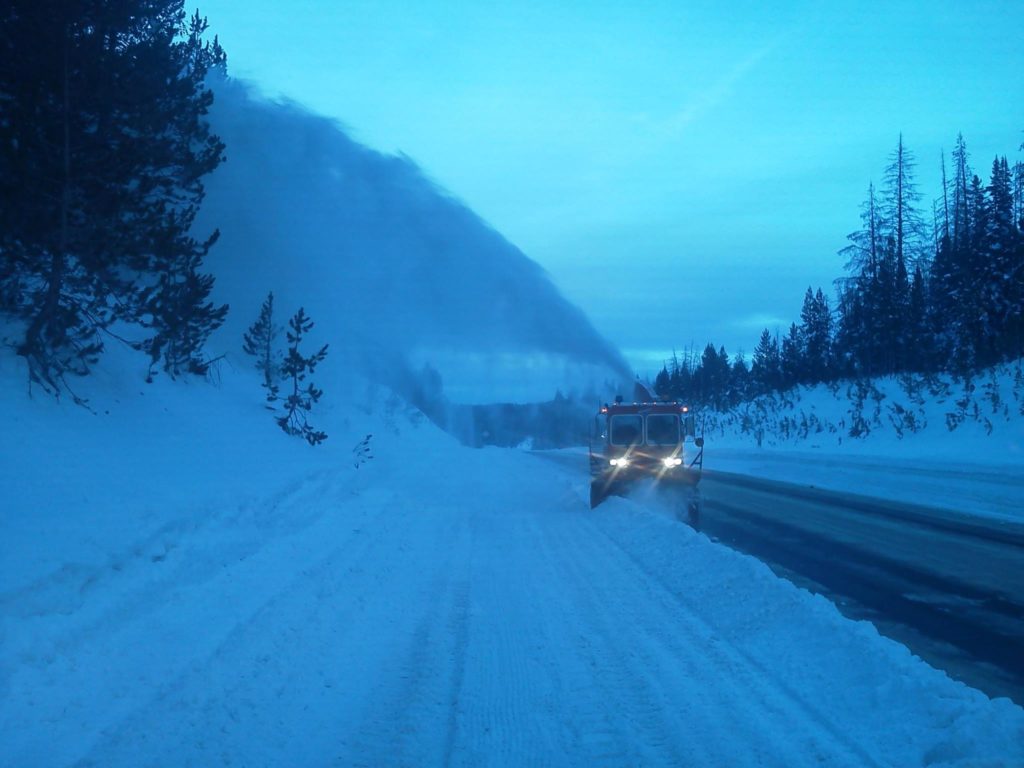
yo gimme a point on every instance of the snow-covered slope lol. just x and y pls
(185, 585)
(938, 441)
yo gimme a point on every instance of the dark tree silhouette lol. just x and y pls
(103, 146)
(258, 341)
(296, 367)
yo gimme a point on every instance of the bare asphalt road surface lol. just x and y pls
(948, 585)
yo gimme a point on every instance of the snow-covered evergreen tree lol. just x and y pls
(296, 367)
(791, 359)
(900, 208)
(816, 336)
(766, 367)
(103, 147)
(1000, 276)
(176, 306)
(258, 341)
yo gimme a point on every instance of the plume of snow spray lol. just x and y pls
(399, 277)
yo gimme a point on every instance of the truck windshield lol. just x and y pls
(627, 429)
(662, 429)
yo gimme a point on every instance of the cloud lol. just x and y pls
(760, 321)
(717, 92)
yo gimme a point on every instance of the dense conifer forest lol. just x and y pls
(925, 291)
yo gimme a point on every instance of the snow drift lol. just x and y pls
(397, 274)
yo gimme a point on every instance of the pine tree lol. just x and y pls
(51, 166)
(711, 378)
(975, 320)
(1018, 195)
(1015, 345)
(961, 179)
(920, 345)
(258, 341)
(846, 342)
(900, 208)
(816, 336)
(704, 375)
(999, 274)
(943, 283)
(945, 203)
(863, 252)
(722, 368)
(765, 370)
(681, 377)
(103, 147)
(663, 384)
(863, 297)
(739, 379)
(899, 325)
(177, 306)
(953, 309)
(791, 359)
(824, 330)
(295, 420)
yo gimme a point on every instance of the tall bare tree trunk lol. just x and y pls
(40, 334)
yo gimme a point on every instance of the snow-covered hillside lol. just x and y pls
(940, 441)
(183, 584)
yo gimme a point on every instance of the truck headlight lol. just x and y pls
(673, 461)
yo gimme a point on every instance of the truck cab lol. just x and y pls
(632, 441)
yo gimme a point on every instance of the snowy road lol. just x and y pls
(951, 586)
(948, 585)
(467, 610)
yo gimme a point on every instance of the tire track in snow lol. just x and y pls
(106, 598)
(665, 662)
(817, 735)
(414, 693)
(459, 629)
(354, 677)
(507, 709)
(596, 731)
(67, 589)
(191, 632)
(207, 688)
(641, 732)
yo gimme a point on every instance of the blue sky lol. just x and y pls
(683, 170)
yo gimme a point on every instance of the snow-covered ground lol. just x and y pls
(182, 584)
(941, 443)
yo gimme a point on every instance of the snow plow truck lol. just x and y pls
(646, 440)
